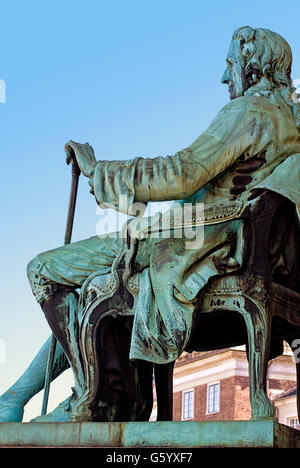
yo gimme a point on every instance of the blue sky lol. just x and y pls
(134, 78)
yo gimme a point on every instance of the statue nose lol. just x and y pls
(225, 77)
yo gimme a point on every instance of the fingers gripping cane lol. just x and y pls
(68, 235)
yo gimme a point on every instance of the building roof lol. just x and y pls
(286, 394)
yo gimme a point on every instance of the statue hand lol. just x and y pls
(84, 155)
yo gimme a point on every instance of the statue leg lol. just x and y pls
(31, 382)
(125, 387)
(59, 304)
(54, 276)
(61, 314)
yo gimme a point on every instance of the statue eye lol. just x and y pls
(229, 62)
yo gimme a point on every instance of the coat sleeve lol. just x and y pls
(126, 185)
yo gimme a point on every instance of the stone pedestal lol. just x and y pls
(181, 434)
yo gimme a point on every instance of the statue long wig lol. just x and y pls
(268, 59)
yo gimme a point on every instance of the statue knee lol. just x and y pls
(42, 287)
(33, 269)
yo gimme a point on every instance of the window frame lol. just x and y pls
(184, 392)
(207, 397)
(293, 418)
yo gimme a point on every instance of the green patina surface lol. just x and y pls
(192, 434)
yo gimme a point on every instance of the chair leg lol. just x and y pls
(291, 341)
(164, 390)
(258, 325)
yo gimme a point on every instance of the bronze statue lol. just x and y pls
(137, 303)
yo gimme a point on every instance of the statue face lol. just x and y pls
(234, 74)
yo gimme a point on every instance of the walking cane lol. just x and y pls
(68, 235)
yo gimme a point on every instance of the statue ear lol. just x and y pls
(253, 73)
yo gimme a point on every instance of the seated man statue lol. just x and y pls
(245, 143)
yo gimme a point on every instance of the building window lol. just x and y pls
(293, 422)
(213, 398)
(188, 404)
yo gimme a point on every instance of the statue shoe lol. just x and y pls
(62, 413)
(11, 410)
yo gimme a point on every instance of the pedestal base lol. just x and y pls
(181, 434)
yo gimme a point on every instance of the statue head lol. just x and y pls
(259, 62)
(235, 72)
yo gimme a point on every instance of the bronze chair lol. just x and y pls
(259, 307)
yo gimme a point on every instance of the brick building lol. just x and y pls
(214, 385)
(286, 404)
